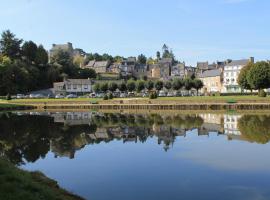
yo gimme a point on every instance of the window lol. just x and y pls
(85, 87)
(68, 86)
(75, 87)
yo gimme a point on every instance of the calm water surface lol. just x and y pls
(144, 156)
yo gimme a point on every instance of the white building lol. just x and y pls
(231, 73)
(231, 124)
(73, 86)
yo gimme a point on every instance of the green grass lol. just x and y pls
(50, 100)
(17, 184)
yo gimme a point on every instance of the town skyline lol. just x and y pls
(195, 31)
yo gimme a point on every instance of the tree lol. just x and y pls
(96, 88)
(259, 76)
(41, 56)
(243, 77)
(29, 51)
(10, 45)
(104, 87)
(142, 59)
(151, 61)
(112, 87)
(140, 85)
(61, 57)
(149, 85)
(168, 85)
(86, 73)
(188, 83)
(197, 84)
(158, 55)
(118, 59)
(177, 84)
(158, 85)
(122, 87)
(131, 86)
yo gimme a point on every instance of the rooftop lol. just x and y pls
(211, 73)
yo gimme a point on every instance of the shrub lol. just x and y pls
(110, 96)
(8, 97)
(105, 97)
(153, 95)
(231, 101)
(262, 93)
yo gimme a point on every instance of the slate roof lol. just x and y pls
(210, 73)
(238, 62)
(93, 63)
(78, 81)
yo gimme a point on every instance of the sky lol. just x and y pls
(196, 30)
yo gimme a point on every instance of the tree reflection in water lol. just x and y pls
(26, 138)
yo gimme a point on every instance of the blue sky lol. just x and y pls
(196, 30)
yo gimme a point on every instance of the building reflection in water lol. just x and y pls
(64, 133)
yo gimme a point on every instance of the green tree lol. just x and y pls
(158, 85)
(96, 88)
(158, 55)
(142, 59)
(177, 84)
(188, 84)
(168, 85)
(243, 77)
(104, 87)
(122, 87)
(259, 76)
(10, 45)
(62, 58)
(149, 85)
(41, 56)
(29, 50)
(131, 85)
(140, 85)
(112, 86)
(86, 73)
(197, 84)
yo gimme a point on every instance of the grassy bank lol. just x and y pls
(160, 100)
(17, 184)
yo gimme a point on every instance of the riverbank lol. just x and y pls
(9, 107)
(17, 184)
(161, 103)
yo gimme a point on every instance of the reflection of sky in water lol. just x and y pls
(201, 168)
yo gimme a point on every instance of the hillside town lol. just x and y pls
(217, 77)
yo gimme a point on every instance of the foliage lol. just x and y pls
(168, 85)
(10, 46)
(105, 97)
(131, 85)
(149, 85)
(8, 97)
(112, 86)
(177, 84)
(96, 88)
(242, 77)
(259, 76)
(140, 85)
(86, 73)
(110, 96)
(158, 85)
(142, 59)
(122, 87)
(29, 50)
(262, 93)
(188, 83)
(197, 84)
(104, 87)
(153, 95)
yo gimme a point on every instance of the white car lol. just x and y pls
(162, 94)
(59, 96)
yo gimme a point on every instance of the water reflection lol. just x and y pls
(26, 137)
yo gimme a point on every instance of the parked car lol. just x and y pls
(20, 96)
(170, 94)
(100, 95)
(71, 96)
(177, 94)
(131, 94)
(59, 96)
(162, 93)
(32, 96)
(51, 96)
(93, 95)
(39, 96)
(123, 95)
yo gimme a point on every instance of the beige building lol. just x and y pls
(212, 80)
(98, 66)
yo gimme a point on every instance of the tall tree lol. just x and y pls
(168, 85)
(131, 85)
(140, 85)
(29, 51)
(142, 59)
(259, 76)
(149, 85)
(197, 84)
(112, 86)
(158, 55)
(177, 84)
(243, 77)
(122, 87)
(158, 85)
(10, 45)
(41, 56)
